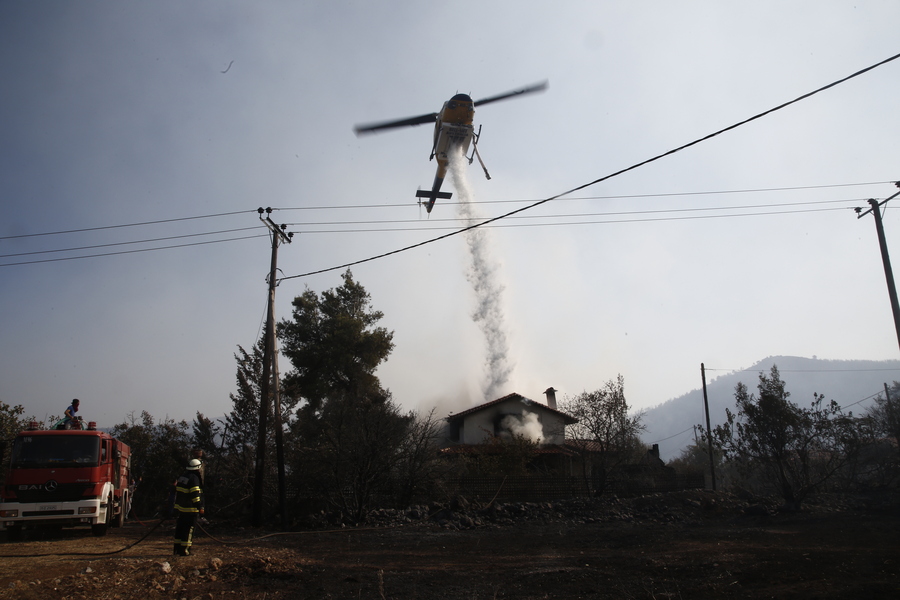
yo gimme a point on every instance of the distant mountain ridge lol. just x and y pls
(845, 381)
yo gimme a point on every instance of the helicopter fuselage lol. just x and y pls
(453, 132)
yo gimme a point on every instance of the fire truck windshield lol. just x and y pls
(30, 452)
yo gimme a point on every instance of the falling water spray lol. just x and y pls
(488, 314)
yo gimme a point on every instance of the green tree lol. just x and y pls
(694, 458)
(236, 465)
(349, 452)
(12, 422)
(606, 436)
(348, 433)
(885, 414)
(205, 432)
(796, 450)
(204, 437)
(159, 452)
(334, 345)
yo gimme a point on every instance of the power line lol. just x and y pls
(861, 401)
(444, 220)
(810, 370)
(613, 197)
(451, 220)
(518, 201)
(605, 177)
(100, 228)
(567, 223)
(674, 436)
(146, 241)
(49, 260)
(629, 212)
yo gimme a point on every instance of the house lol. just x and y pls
(510, 415)
(554, 466)
(473, 431)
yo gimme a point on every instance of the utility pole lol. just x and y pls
(712, 463)
(888, 272)
(269, 381)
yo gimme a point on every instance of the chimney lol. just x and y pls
(551, 397)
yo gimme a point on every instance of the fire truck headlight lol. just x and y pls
(87, 510)
(9, 514)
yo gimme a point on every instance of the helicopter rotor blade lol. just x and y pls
(540, 87)
(373, 127)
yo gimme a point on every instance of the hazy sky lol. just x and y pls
(182, 118)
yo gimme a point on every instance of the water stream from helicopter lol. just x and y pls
(483, 276)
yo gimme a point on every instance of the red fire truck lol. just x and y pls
(66, 478)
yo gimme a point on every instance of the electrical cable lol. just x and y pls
(594, 214)
(48, 260)
(601, 222)
(146, 241)
(614, 197)
(674, 436)
(605, 177)
(429, 227)
(810, 370)
(28, 235)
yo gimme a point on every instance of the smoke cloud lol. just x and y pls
(527, 426)
(488, 314)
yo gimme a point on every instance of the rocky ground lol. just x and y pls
(696, 544)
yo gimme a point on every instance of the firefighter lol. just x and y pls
(188, 506)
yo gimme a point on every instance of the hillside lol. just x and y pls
(845, 381)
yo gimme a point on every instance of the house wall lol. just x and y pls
(479, 426)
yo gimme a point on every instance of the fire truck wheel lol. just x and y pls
(99, 529)
(14, 532)
(119, 519)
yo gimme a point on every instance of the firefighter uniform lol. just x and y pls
(188, 506)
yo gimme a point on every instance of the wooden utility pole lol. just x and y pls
(712, 462)
(269, 381)
(888, 272)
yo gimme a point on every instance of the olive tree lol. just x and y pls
(606, 436)
(792, 449)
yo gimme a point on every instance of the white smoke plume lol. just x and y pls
(527, 425)
(488, 314)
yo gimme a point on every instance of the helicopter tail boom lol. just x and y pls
(432, 195)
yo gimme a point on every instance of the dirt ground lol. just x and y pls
(685, 545)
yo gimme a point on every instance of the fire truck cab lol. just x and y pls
(66, 478)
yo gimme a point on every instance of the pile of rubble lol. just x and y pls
(685, 507)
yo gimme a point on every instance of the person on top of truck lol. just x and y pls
(189, 506)
(69, 418)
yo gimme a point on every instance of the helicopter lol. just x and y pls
(453, 132)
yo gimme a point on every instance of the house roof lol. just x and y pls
(569, 420)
